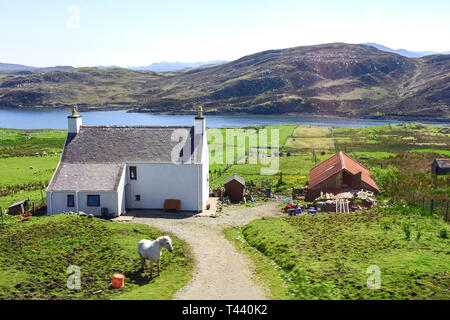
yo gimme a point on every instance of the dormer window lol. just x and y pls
(133, 173)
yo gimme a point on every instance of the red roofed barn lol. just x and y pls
(339, 173)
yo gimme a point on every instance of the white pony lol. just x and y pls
(151, 250)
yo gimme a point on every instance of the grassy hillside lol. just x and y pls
(36, 253)
(330, 79)
(327, 256)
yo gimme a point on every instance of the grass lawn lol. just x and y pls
(326, 256)
(36, 253)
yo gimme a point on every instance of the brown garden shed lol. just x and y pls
(19, 207)
(234, 187)
(440, 166)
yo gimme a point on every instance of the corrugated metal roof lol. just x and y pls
(18, 203)
(443, 163)
(235, 177)
(331, 166)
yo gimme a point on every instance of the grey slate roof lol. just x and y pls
(114, 144)
(89, 176)
(96, 156)
(235, 177)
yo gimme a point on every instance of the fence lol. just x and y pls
(218, 173)
(440, 207)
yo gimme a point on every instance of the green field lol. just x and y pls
(28, 159)
(36, 253)
(326, 256)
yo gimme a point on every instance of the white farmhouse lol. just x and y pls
(117, 168)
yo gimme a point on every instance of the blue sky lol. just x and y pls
(132, 33)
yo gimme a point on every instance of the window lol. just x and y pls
(138, 197)
(133, 173)
(70, 200)
(93, 200)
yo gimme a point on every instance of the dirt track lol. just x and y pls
(221, 272)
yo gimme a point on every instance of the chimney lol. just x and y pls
(199, 123)
(199, 133)
(74, 121)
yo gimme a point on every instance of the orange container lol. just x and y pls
(118, 281)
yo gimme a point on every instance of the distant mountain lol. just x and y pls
(55, 68)
(334, 79)
(404, 52)
(175, 66)
(107, 67)
(11, 68)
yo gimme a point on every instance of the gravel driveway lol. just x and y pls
(221, 271)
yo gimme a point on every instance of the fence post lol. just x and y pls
(431, 205)
(423, 203)
(446, 214)
(1, 212)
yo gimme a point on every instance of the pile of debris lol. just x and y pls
(352, 200)
(291, 208)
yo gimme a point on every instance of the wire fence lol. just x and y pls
(440, 207)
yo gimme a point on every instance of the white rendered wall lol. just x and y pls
(159, 181)
(200, 133)
(121, 193)
(74, 124)
(205, 174)
(58, 201)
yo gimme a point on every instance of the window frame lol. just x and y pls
(133, 170)
(89, 196)
(73, 200)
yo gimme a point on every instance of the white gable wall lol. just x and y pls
(205, 174)
(121, 193)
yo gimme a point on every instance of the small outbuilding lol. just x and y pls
(19, 207)
(234, 187)
(440, 166)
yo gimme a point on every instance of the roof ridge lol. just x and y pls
(135, 126)
(334, 155)
(357, 162)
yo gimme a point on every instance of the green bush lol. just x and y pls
(385, 177)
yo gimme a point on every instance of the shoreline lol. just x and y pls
(135, 109)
